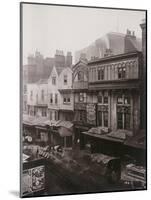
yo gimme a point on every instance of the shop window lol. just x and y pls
(101, 74)
(65, 79)
(53, 80)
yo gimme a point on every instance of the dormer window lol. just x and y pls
(65, 79)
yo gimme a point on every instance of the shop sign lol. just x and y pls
(80, 106)
(91, 113)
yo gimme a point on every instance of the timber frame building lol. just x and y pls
(116, 82)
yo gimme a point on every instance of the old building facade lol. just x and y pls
(66, 95)
(115, 81)
(37, 98)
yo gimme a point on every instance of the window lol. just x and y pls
(31, 95)
(42, 95)
(51, 98)
(123, 111)
(53, 80)
(37, 98)
(101, 74)
(80, 76)
(103, 118)
(82, 97)
(99, 99)
(44, 112)
(65, 79)
(50, 115)
(103, 98)
(56, 115)
(103, 108)
(121, 72)
(56, 98)
(25, 89)
(66, 98)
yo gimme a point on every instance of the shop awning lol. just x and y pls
(52, 122)
(104, 137)
(65, 132)
(28, 120)
(66, 124)
(34, 121)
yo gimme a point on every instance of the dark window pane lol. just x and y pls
(100, 99)
(119, 121)
(127, 121)
(100, 118)
(106, 119)
(106, 99)
(120, 100)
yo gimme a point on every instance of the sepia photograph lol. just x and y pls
(83, 98)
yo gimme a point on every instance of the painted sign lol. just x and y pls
(91, 113)
(33, 180)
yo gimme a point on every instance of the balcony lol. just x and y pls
(80, 85)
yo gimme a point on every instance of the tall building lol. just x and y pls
(117, 42)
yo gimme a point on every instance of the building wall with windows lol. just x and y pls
(84, 102)
(66, 94)
(115, 81)
(37, 98)
(32, 98)
(53, 94)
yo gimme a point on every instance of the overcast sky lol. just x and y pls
(47, 28)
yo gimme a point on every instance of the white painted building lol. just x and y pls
(37, 98)
(60, 97)
(66, 95)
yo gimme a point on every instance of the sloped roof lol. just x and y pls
(59, 70)
(42, 81)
